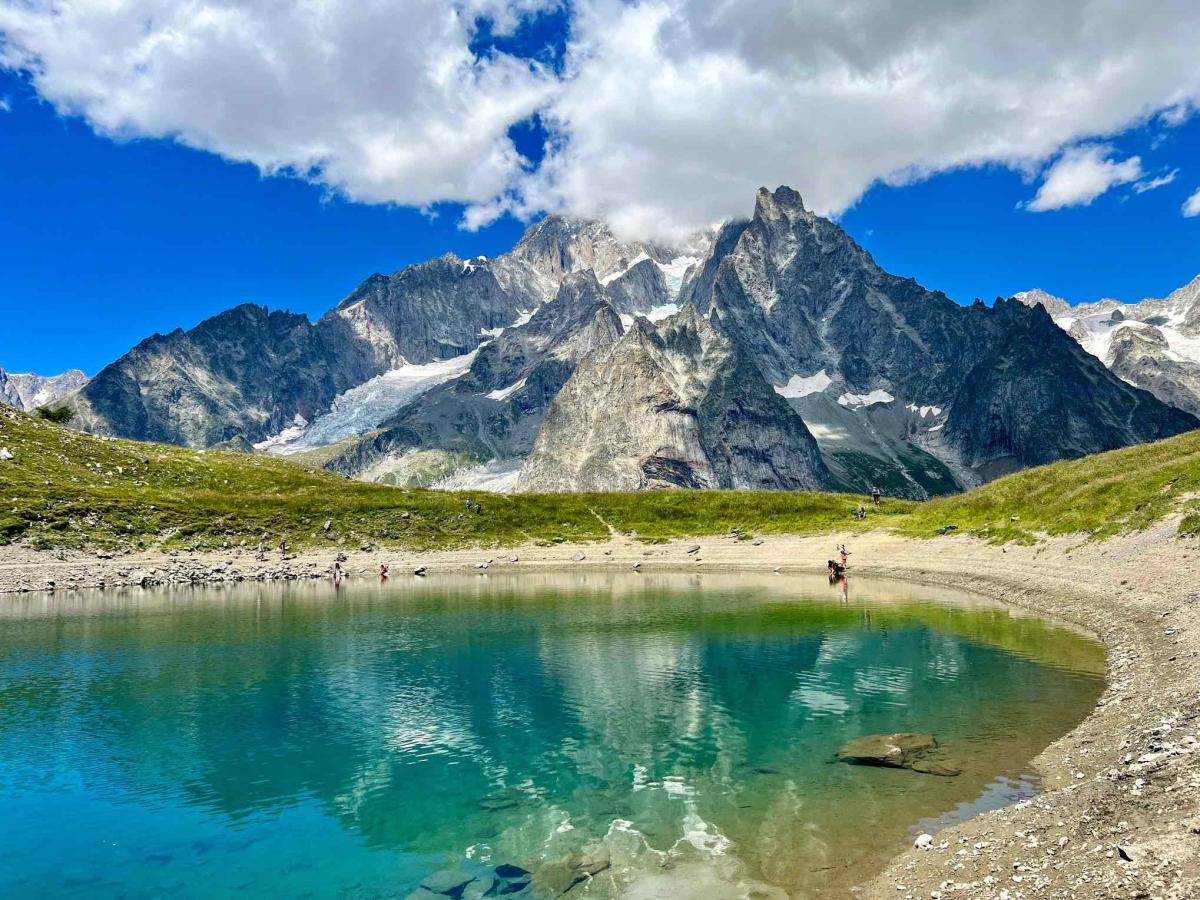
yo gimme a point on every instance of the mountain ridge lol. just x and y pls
(453, 366)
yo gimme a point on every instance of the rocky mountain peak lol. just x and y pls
(1189, 293)
(1056, 306)
(557, 246)
(783, 202)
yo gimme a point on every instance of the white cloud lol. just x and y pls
(1081, 175)
(5, 104)
(381, 101)
(1153, 184)
(677, 109)
(1191, 206)
(668, 114)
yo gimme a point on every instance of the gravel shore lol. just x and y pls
(1119, 816)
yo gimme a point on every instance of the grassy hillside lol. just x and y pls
(66, 489)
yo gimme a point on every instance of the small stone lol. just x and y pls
(5, 453)
(923, 841)
(420, 570)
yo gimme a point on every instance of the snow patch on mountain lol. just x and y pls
(505, 393)
(364, 407)
(499, 476)
(675, 270)
(924, 411)
(656, 314)
(801, 385)
(861, 401)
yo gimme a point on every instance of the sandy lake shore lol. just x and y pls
(1119, 816)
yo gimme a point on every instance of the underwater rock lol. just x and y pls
(905, 750)
(448, 884)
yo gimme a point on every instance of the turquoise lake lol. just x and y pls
(609, 735)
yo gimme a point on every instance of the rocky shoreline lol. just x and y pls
(1119, 814)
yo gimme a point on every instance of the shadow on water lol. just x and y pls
(611, 735)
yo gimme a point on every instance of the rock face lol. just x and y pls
(26, 391)
(672, 405)
(1153, 344)
(905, 750)
(895, 379)
(245, 372)
(641, 288)
(494, 410)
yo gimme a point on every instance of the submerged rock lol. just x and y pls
(446, 884)
(904, 750)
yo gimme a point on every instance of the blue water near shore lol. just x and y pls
(610, 736)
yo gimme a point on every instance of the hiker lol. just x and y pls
(478, 508)
(875, 495)
(844, 553)
(283, 548)
(862, 512)
(468, 504)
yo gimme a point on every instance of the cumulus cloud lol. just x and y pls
(380, 101)
(667, 114)
(1191, 206)
(1081, 175)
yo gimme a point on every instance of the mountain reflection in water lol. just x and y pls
(668, 734)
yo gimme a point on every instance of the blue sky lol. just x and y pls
(104, 241)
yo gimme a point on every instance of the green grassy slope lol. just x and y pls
(66, 489)
(1101, 495)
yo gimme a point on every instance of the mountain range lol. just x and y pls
(26, 391)
(772, 352)
(1154, 343)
